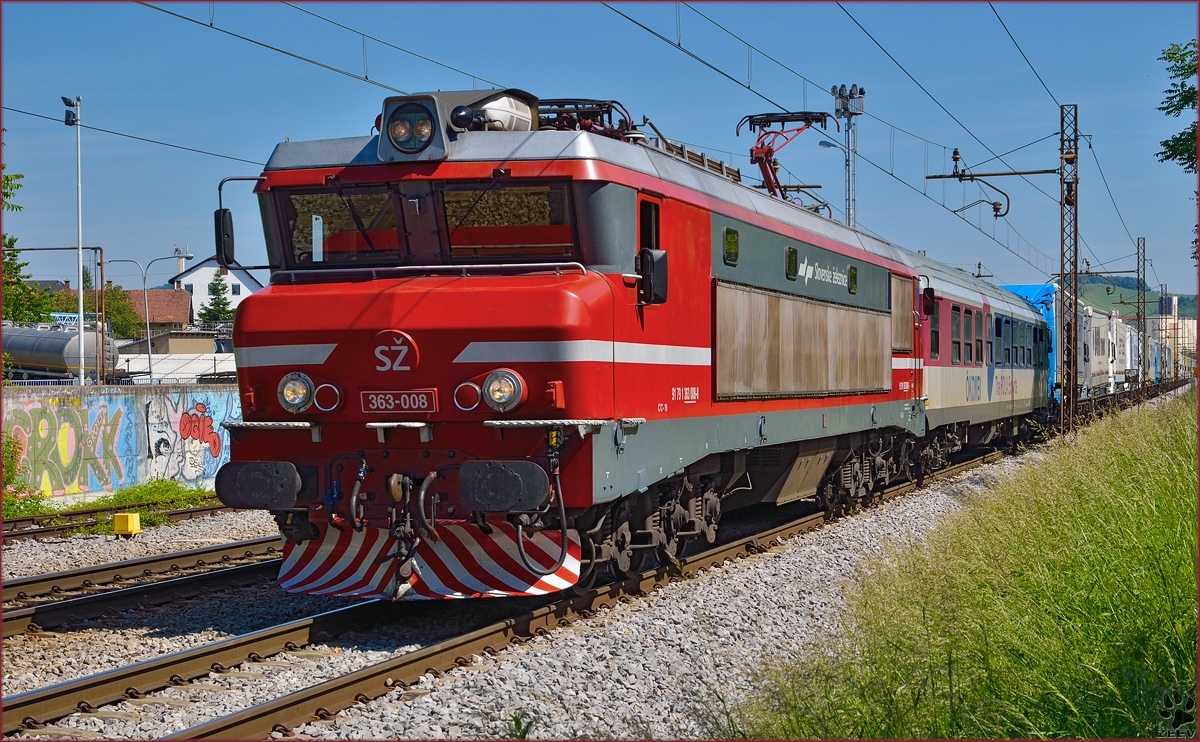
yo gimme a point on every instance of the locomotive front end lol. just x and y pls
(409, 415)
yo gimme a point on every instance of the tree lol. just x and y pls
(218, 309)
(1180, 97)
(119, 311)
(87, 279)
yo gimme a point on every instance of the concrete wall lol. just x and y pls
(78, 443)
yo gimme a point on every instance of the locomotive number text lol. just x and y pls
(416, 400)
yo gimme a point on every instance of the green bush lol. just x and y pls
(1062, 603)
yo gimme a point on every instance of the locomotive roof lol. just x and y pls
(493, 146)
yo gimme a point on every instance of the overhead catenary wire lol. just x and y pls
(1020, 238)
(58, 120)
(805, 79)
(285, 52)
(1022, 51)
(388, 44)
(939, 103)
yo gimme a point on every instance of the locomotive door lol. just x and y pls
(905, 335)
(662, 351)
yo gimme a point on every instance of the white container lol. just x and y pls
(506, 113)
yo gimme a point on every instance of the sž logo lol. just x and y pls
(395, 353)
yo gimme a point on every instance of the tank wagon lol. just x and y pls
(52, 351)
(509, 343)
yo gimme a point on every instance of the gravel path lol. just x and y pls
(33, 556)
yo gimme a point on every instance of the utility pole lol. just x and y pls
(1141, 309)
(848, 105)
(1068, 153)
(72, 117)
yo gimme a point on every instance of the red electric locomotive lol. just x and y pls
(508, 343)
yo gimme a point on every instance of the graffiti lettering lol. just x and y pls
(199, 426)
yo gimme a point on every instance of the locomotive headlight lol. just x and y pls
(503, 390)
(410, 127)
(296, 392)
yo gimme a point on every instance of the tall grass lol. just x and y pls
(1062, 603)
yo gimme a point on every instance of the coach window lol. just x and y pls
(1028, 345)
(935, 335)
(955, 335)
(1006, 341)
(978, 338)
(967, 325)
(991, 361)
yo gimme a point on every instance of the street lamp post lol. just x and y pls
(74, 110)
(146, 298)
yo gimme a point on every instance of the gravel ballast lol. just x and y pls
(39, 556)
(654, 667)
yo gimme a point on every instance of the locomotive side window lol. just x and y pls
(731, 246)
(648, 232)
(978, 338)
(955, 335)
(935, 335)
(793, 264)
(967, 325)
(490, 221)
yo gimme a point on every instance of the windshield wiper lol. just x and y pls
(358, 223)
(474, 203)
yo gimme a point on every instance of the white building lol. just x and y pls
(195, 281)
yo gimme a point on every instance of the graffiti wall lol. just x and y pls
(78, 443)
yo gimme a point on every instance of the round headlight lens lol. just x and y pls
(503, 390)
(410, 127)
(296, 392)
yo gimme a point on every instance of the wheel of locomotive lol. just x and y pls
(626, 561)
(672, 519)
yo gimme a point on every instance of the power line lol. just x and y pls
(802, 77)
(1110, 194)
(393, 46)
(140, 139)
(683, 49)
(1014, 41)
(1023, 146)
(293, 55)
(939, 104)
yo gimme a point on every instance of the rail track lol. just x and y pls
(30, 526)
(50, 600)
(33, 710)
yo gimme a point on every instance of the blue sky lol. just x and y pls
(145, 73)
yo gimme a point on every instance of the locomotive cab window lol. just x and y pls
(955, 335)
(353, 226)
(494, 221)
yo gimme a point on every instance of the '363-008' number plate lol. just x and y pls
(411, 400)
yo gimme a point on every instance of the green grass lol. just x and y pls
(1062, 603)
(159, 495)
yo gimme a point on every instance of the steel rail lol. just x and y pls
(324, 700)
(31, 521)
(54, 582)
(321, 701)
(56, 613)
(30, 710)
